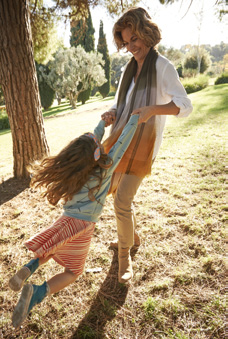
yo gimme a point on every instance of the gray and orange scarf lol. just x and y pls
(137, 160)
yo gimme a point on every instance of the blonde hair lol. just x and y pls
(65, 174)
(139, 21)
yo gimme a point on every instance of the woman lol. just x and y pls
(149, 86)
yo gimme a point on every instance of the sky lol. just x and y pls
(179, 26)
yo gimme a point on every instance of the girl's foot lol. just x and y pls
(30, 296)
(21, 309)
(17, 281)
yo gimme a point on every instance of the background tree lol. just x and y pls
(82, 33)
(19, 84)
(116, 7)
(220, 6)
(191, 60)
(118, 61)
(173, 54)
(103, 49)
(47, 94)
(200, 17)
(73, 70)
(44, 33)
(222, 9)
(218, 51)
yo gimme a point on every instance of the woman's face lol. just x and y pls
(134, 45)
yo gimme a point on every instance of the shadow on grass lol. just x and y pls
(108, 98)
(5, 131)
(11, 188)
(109, 299)
(56, 110)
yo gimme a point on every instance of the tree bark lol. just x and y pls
(20, 87)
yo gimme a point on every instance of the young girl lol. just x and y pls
(80, 176)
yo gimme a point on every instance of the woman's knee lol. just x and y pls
(125, 192)
(122, 203)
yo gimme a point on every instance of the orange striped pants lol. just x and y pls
(68, 240)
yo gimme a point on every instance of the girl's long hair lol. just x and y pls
(65, 174)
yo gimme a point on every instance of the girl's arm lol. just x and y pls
(119, 148)
(99, 130)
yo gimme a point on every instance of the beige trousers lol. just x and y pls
(124, 188)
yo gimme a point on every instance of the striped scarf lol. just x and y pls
(137, 160)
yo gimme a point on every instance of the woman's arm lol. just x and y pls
(172, 86)
(146, 112)
(169, 87)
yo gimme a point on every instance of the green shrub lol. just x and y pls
(195, 84)
(104, 89)
(84, 96)
(179, 69)
(222, 79)
(111, 94)
(189, 73)
(47, 94)
(4, 121)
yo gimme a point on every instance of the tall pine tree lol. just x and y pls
(103, 49)
(82, 33)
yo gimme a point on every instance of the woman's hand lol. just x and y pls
(109, 117)
(145, 113)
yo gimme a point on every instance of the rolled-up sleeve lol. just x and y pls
(99, 130)
(174, 88)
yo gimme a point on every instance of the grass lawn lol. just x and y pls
(178, 289)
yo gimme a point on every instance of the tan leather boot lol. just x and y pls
(114, 243)
(125, 265)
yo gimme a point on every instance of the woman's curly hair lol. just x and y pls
(139, 21)
(65, 174)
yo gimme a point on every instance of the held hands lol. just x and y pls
(109, 117)
(145, 113)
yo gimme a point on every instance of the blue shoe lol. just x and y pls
(17, 281)
(31, 295)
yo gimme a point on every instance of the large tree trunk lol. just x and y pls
(19, 84)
